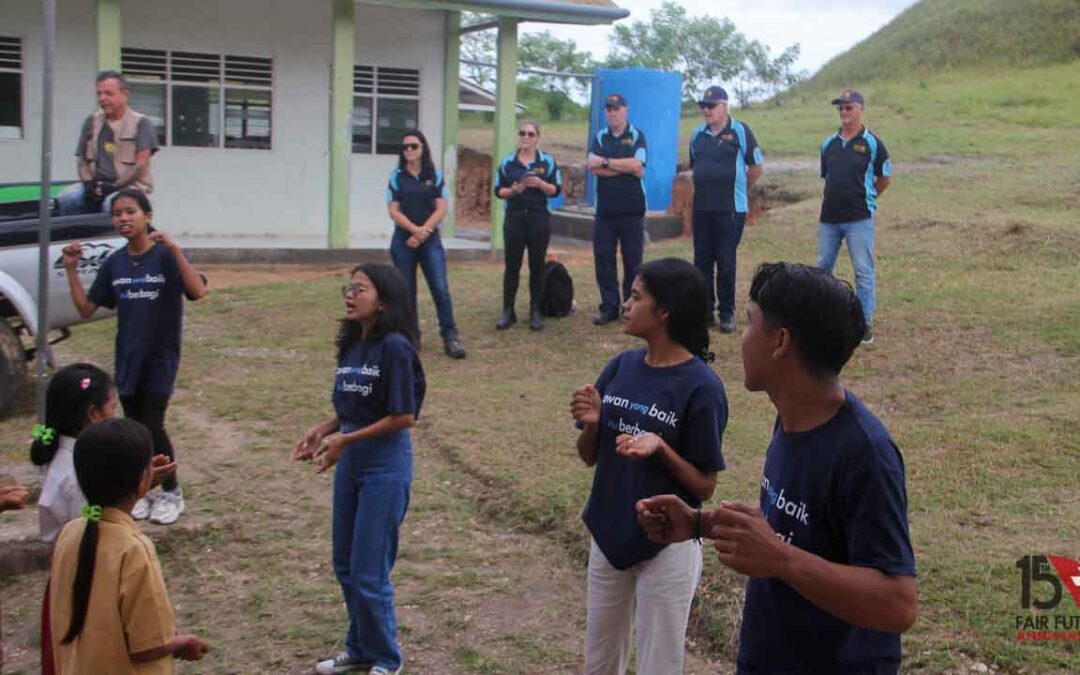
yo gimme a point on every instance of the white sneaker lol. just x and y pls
(167, 507)
(342, 663)
(145, 505)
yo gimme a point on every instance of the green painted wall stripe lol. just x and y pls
(108, 34)
(26, 193)
(341, 96)
(451, 119)
(505, 97)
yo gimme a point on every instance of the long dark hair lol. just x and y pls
(398, 314)
(678, 287)
(427, 165)
(110, 458)
(71, 393)
(141, 199)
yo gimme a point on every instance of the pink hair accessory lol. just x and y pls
(85, 384)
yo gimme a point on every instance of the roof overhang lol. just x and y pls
(534, 10)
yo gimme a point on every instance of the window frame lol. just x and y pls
(375, 95)
(21, 72)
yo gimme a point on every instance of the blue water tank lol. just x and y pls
(654, 99)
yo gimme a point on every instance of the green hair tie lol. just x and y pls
(43, 433)
(91, 513)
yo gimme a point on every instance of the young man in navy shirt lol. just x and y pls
(827, 549)
(727, 161)
(617, 157)
(856, 167)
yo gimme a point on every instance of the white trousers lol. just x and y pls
(651, 599)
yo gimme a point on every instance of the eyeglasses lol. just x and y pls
(525, 133)
(349, 289)
(410, 146)
(707, 106)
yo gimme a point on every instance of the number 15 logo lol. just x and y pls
(1053, 570)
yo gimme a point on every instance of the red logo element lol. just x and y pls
(1069, 571)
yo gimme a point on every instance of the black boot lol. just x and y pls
(509, 318)
(453, 347)
(536, 319)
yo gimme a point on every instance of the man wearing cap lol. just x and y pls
(856, 169)
(617, 158)
(727, 161)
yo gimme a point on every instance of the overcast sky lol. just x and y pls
(824, 28)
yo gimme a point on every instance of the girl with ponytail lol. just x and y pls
(109, 606)
(652, 424)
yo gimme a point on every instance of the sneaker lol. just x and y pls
(145, 505)
(167, 507)
(342, 663)
(727, 324)
(383, 670)
(603, 319)
(868, 336)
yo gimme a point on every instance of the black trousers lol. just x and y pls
(521, 230)
(149, 409)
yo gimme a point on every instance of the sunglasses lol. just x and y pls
(845, 108)
(410, 146)
(707, 106)
(525, 133)
(609, 108)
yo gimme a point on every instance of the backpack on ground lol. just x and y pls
(557, 297)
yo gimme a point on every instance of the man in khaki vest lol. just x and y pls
(113, 152)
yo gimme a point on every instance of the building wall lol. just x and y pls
(235, 192)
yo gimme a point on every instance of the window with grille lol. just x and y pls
(11, 88)
(386, 103)
(203, 100)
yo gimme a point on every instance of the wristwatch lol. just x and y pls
(606, 163)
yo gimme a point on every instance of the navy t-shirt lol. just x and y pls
(415, 197)
(838, 492)
(849, 169)
(512, 170)
(719, 161)
(147, 292)
(683, 404)
(377, 378)
(624, 194)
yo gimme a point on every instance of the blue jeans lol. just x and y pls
(860, 243)
(628, 234)
(716, 238)
(432, 260)
(72, 201)
(371, 496)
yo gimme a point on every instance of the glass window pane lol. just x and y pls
(396, 116)
(361, 124)
(247, 119)
(196, 112)
(10, 105)
(149, 99)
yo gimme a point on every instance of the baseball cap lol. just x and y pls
(714, 94)
(615, 100)
(849, 96)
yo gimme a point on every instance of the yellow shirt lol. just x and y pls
(129, 608)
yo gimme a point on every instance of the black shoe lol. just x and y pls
(509, 318)
(868, 336)
(603, 319)
(453, 347)
(536, 319)
(727, 323)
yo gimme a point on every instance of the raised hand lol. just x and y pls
(72, 255)
(585, 405)
(307, 445)
(161, 467)
(164, 239)
(666, 519)
(638, 447)
(744, 540)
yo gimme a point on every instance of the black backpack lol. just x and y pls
(557, 297)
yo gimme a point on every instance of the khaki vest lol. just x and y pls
(124, 157)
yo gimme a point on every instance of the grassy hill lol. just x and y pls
(936, 36)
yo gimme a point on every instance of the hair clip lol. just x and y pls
(85, 384)
(43, 433)
(91, 512)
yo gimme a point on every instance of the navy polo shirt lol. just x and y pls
(512, 170)
(849, 169)
(686, 406)
(624, 194)
(838, 492)
(147, 292)
(719, 162)
(415, 197)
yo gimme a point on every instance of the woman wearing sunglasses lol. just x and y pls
(416, 201)
(527, 179)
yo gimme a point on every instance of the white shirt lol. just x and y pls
(61, 500)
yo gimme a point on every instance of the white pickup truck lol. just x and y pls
(19, 227)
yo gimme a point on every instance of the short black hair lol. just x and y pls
(822, 312)
(112, 75)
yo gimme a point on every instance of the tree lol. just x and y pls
(544, 51)
(478, 46)
(763, 76)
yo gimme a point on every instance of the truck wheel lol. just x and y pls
(12, 367)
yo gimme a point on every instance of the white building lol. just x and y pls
(277, 118)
